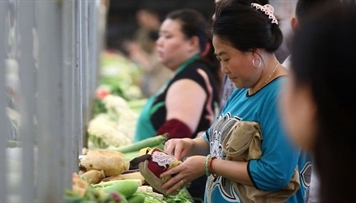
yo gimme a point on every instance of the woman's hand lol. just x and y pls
(192, 168)
(179, 147)
(185, 147)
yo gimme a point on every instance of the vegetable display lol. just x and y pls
(121, 75)
(105, 171)
(117, 103)
(105, 176)
(114, 128)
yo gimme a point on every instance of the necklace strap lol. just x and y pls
(274, 70)
(267, 79)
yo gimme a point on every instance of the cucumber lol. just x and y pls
(131, 155)
(125, 187)
(137, 146)
(136, 198)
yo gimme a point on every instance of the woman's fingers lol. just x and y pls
(174, 185)
(178, 152)
(175, 147)
(169, 147)
(172, 171)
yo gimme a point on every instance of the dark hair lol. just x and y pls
(193, 24)
(247, 2)
(246, 28)
(304, 6)
(324, 60)
(153, 35)
(223, 3)
(148, 6)
(148, 9)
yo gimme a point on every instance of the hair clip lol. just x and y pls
(268, 10)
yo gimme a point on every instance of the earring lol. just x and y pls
(255, 63)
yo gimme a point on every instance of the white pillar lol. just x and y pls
(3, 117)
(51, 136)
(27, 98)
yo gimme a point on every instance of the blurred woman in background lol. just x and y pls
(142, 51)
(318, 103)
(187, 103)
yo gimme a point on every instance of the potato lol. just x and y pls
(111, 162)
(93, 176)
(79, 185)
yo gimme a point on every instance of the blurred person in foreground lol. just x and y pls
(270, 168)
(303, 7)
(187, 103)
(318, 105)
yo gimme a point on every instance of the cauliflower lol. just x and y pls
(127, 123)
(107, 130)
(115, 128)
(115, 105)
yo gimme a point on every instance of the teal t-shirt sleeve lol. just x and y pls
(279, 157)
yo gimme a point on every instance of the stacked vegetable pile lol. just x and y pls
(105, 176)
(106, 173)
(115, 127)
(117, 104)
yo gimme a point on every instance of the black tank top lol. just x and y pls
(191, 71)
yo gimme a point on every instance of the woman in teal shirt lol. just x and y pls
(245, 37)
